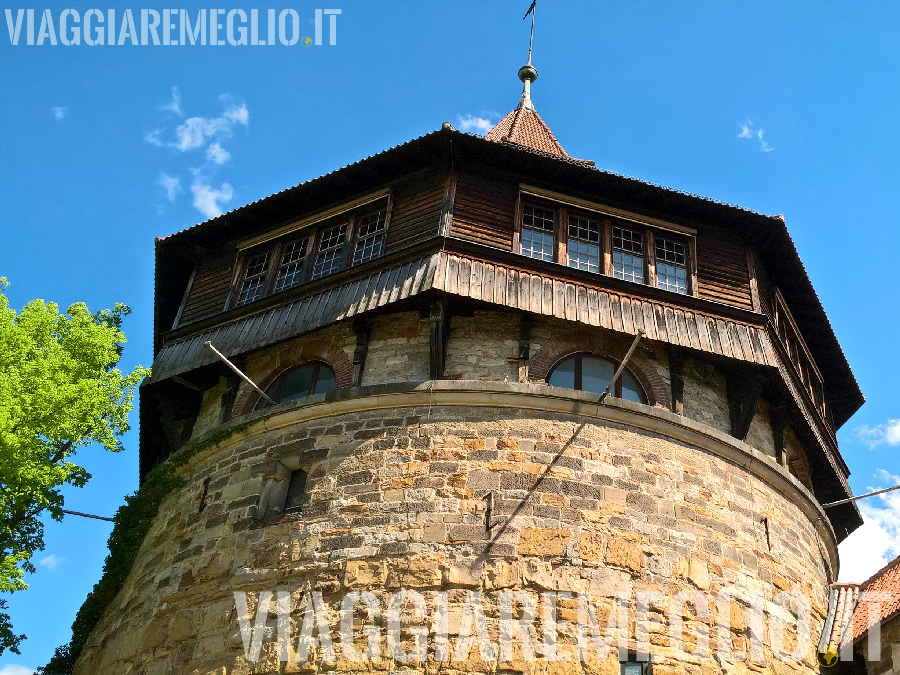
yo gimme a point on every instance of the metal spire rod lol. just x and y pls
(237, 370)
(637, 338)
(853, 499)
(531, 10)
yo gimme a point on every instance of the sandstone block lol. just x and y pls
(698, 574)
(364, 574)
(624, 554)
(543, 541)
(591, 547)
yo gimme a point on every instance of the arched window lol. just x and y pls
(306, 380)
(586, 372)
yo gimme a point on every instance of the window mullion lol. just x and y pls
(274, 266)
(650, 257)
(607, 247)
(562, 223)
(351, 241)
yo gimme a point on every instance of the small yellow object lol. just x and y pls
(307, 41)
(827, 657)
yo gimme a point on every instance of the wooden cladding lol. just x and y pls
(484, 211)
(539, 294)
(497, 284)
(416, 213)
(722, 273)
(210, 287)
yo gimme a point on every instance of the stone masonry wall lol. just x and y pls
(396, 500)
(485, 347)
(887, 659)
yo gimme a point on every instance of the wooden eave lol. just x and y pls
(768, 234)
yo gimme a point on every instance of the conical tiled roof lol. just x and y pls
(523, 126)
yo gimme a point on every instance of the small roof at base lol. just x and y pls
(525, 127)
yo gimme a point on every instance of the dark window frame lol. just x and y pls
(648, 233)
(646, 667)
(274, 389)
(311, 239)
(296, 488)
(578, 371)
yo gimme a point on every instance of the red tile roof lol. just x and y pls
(851, 615)
(886, 580)
(847, 595)
(525, 127)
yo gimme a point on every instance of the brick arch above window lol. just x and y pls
(292, 356)
(554, 351)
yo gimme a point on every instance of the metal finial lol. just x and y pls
(528, 73)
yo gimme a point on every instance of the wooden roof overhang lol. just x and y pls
(445, 146)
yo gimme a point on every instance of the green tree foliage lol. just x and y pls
(60, 390)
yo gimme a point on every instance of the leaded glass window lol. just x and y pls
(671, 266)
(538, 225)
(584, 243)
(290, 270)
(628, 254)
(330, 258)
(370, 238)
(254, 285)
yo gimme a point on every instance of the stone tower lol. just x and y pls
(493, 374)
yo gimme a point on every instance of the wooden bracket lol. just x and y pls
(743, 392)
(779, 418)
(448, 205)
(677, 360)
(362, 327)
(525, 345)
(440, 330)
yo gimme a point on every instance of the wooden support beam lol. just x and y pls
(744, 389)
(362, 327)
(778, 416)
(448, 205)
(525, 345)
(440, 330)
(677, 359)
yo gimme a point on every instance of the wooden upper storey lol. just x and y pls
(525, 210)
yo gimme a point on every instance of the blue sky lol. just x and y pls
(779, 107)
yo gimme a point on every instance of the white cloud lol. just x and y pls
(174, 105)
(15, 670)
(170, 185)
(59, 112)
(207, 199)
(195, 132)
(881, 434)
(877, 542)
(199, 134)
(217, 154)
(51, 562)
(747, 131)
(152, 137)
(238, 114)
(468, 123)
